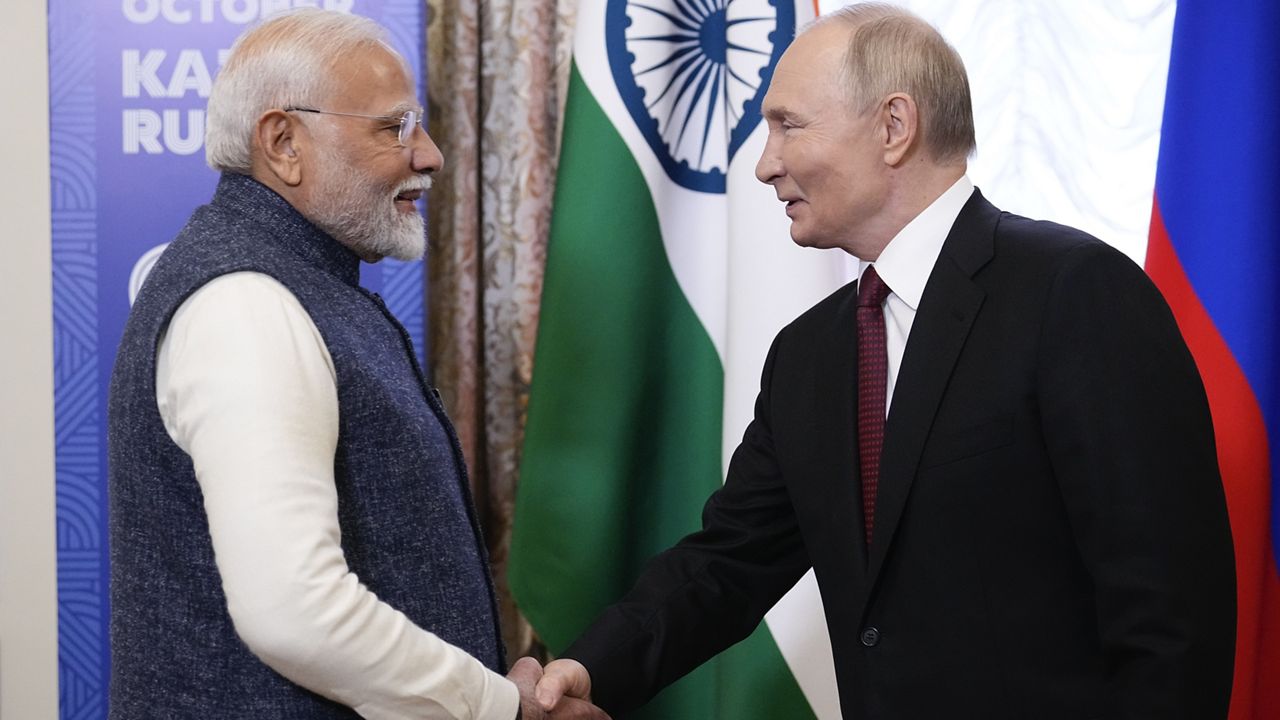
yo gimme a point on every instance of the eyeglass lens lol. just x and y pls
(407, 123)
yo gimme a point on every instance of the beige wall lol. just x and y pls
(28, 609)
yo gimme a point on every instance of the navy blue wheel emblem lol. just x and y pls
(692, 74)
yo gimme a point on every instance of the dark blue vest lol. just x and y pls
(408, 528)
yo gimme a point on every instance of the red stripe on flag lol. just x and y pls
(1243, 458)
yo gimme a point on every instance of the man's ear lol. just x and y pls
(280, 137)
(900, 126)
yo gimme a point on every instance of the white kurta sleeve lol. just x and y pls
(246, 386)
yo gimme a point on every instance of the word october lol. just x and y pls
(239, 12)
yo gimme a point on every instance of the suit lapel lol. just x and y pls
(950, 303)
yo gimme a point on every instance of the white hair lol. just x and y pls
(288, 60)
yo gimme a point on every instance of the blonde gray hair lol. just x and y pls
(893, 50)
(289, 60)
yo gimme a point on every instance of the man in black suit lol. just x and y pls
(1038, 528)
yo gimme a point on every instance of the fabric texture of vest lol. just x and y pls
(409, 531)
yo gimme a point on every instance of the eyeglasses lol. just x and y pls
(407, 121)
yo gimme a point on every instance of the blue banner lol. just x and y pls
(128, 85)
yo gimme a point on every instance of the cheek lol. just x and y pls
(802, 163)
(391, 167)
(827, 184)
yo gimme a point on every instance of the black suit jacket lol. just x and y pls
(1051, 536)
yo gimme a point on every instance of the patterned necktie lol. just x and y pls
(873, 382)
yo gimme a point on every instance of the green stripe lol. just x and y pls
(622, 445)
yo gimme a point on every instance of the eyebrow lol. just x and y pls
(402, 108)
(779, 112)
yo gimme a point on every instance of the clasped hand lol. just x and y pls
(561, 691)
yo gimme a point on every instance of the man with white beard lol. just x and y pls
(291, 529)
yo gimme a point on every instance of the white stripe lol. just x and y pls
(694, 225)
(771, 281)
(733, 258)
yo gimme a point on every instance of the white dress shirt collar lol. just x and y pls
(908, 259)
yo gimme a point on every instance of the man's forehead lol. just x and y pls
(779, 98)
(805, 70)
(377, 79)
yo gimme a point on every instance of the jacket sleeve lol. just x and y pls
(1130, 439)
(711, 589)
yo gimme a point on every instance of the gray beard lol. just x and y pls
(351, 208)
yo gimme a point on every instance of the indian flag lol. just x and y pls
(669, 270)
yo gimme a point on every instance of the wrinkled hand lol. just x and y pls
(563, 681)
(527, 675)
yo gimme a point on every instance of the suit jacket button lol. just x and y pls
(870, 637)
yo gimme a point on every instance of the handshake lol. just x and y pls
(560, 691)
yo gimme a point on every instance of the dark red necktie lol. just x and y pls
(873, 383)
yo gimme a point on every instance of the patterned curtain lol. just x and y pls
(497, 74)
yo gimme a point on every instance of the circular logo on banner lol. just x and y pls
(141, 269)
(692, 74)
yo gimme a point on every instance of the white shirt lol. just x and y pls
(905, 265)
(246, 387)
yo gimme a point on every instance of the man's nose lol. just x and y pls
(768, 167)
(426, 156)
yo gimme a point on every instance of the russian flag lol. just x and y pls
(1215, 254)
